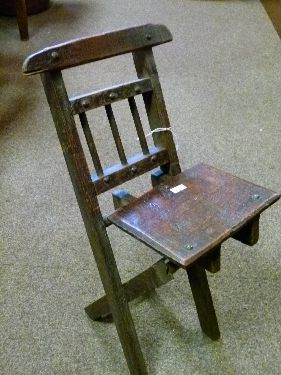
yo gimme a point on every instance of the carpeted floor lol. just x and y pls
(221, 78)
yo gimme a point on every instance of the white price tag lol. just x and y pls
(178, 188)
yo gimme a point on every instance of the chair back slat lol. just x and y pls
(86, 50)
(138, 40)
(110, 95)
(91, 143)
(136, 166)
(115, 133)
(138, 125)
(155, 106)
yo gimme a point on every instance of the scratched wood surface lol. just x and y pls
(94, 48)
(184, 226)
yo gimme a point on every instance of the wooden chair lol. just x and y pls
(185, 217)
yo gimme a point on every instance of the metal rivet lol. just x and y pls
(85, 103)
(137, 90)
(148, 36)
(134, 169)
(256, 196)
(154, 158)
(106, 179)
(54, 56)
(113, 95)
(189, 247)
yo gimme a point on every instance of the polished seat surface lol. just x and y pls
(193, 212)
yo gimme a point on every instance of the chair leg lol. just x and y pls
(203, 301)
(22, 19)
(128, 337)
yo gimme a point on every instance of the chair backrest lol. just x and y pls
(139, 41)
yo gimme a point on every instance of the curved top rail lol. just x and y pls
(97, 47)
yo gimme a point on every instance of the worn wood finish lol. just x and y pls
(212, 261)
(21, 13)
(96, 99)
(95, 227)
(138, 125)
(86, 50)
(137, 165)
(121, 198)
(158, 177)
(249, 234)
(154, 277)
(91, 144)
(115, 133)
(187, 225)
(155, 107)
(203, 301)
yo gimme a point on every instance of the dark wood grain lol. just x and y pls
(147, 281)
(91, 143)
(212, 261)
(185, 226)
(138, 125)
(188, 226)
(203, 301)
(249, 234)
(121, 198)
(115, 133)
(86, 50)
(156, 108)
(110, 95)
(93, 220)
(137, 165)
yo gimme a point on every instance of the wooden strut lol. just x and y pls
(155, 276)
(162, 272)
(99, 241)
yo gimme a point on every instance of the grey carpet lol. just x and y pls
(221, 78)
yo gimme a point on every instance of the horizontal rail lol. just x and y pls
(110, 95)
(137, 165)
(94, 48)
(154, 277)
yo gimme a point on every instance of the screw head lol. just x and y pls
(106, 179)
(154, 158)
(148, 36)
(85, 103)
(134, 169)
(256, 196)
(189, 247)
(113, 95)
(54, 56)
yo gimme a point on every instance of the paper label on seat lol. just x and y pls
(178, 188)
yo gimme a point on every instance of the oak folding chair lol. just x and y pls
(185, 217)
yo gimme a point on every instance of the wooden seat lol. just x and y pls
(185, 217)
(193, 212)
